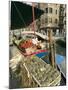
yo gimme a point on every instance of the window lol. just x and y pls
(46, 10)
(64, 22)
(46, 20)
(42, 21)
(56, 21)
(50, 10)
(65, 14)
(50, 20)
(56, 11)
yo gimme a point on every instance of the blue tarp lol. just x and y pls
(40, 55)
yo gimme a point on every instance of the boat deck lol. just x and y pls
(36, 72)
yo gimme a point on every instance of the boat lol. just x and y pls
(32, 62)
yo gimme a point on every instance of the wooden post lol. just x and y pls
(51, 58)
(54, 47)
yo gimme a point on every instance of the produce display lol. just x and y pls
(43, 74)
(26, 44)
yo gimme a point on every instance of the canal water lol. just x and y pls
(61, 49)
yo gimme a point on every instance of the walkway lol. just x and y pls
(45, 37)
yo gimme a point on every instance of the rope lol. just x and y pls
(21, 17)
(33, 17)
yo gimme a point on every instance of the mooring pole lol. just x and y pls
(51, 47)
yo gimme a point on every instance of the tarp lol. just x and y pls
(41, 54)
(21, 14)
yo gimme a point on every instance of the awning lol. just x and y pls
(21, 14)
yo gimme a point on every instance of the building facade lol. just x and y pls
(62, 19)
(50, 16)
